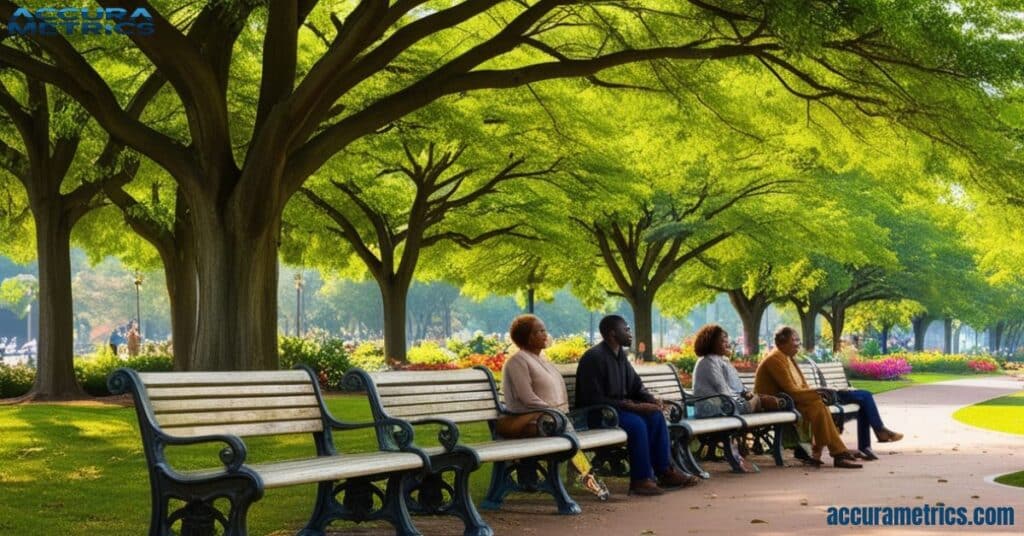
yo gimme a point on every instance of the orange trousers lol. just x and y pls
(823, 429)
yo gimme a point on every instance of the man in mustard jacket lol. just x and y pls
(778, 373)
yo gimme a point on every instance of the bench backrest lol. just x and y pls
(254, 403)
(832, 373)
(464, 395)
(661, 380)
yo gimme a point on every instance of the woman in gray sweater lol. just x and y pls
(714, 375)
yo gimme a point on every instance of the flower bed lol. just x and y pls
(888, 368)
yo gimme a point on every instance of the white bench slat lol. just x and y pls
(157, 393)
(428, 398)
(440, 407)
(291, 472)
(427, 377)
(232, 417)
(208, 404)
(254, 429)
(390, 390)
(466, 416)
(222, 378)
(601, 437)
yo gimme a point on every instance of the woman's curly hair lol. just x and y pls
(706, 340)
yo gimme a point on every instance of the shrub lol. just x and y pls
(429, 353)
(92, 371)
(15, 380)
(685, 363)
(326, 356)
(983, 365)
(888, 368)
(567, 350)
(368, 356)
(870, 348)
(950, 363)
(492, 362)
(744, 365)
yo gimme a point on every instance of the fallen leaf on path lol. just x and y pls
(943, 481)
(975, 497)
(752, 521)
(647, 532)
(919, 497)
(803, 502)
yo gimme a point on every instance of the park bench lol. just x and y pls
(663, 382)
(187, 408)
(826, 378)
(451, 398)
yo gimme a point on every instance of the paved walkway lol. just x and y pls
(939, 460)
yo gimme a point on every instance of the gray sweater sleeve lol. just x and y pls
(709, 378)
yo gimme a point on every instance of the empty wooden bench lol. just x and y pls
(453, 397)
(186, 408)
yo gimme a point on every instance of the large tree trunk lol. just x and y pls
(885, 338)
(807, 321)
(182, 288)
(237, 312)
(394, 294)
(920, 324)
(750, 311)
(837, 320)
(55, 371)
(643, 327)
(182, 293)
(956, 339)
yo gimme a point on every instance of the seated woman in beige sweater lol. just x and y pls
(531, 382)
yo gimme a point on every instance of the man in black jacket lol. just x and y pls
(605, 376)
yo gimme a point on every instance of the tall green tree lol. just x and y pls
(322, 88)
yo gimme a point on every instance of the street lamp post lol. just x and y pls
(28, 316)
(298, 303)
(138, 301)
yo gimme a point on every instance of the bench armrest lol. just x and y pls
(828, 396)
(392, 434)
(728, 404)
(676, 411)
(550, 423)
(580, 417)
(447, 436)
(232, 456)
(787, 402)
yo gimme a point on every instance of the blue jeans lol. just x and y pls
(647, 443)
(868, 416)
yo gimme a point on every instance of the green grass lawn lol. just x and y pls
(1003, 414)
(914, 378)
(81, 469)
(1012, 479)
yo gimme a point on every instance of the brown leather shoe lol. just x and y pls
(674, 478)
(886, 435)
(644, 487)
(845, 461)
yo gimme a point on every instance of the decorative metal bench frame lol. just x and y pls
(186, 408)
(453, 397)
(712, 432)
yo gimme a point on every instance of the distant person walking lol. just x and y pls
(134, 340)
(116, 339)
